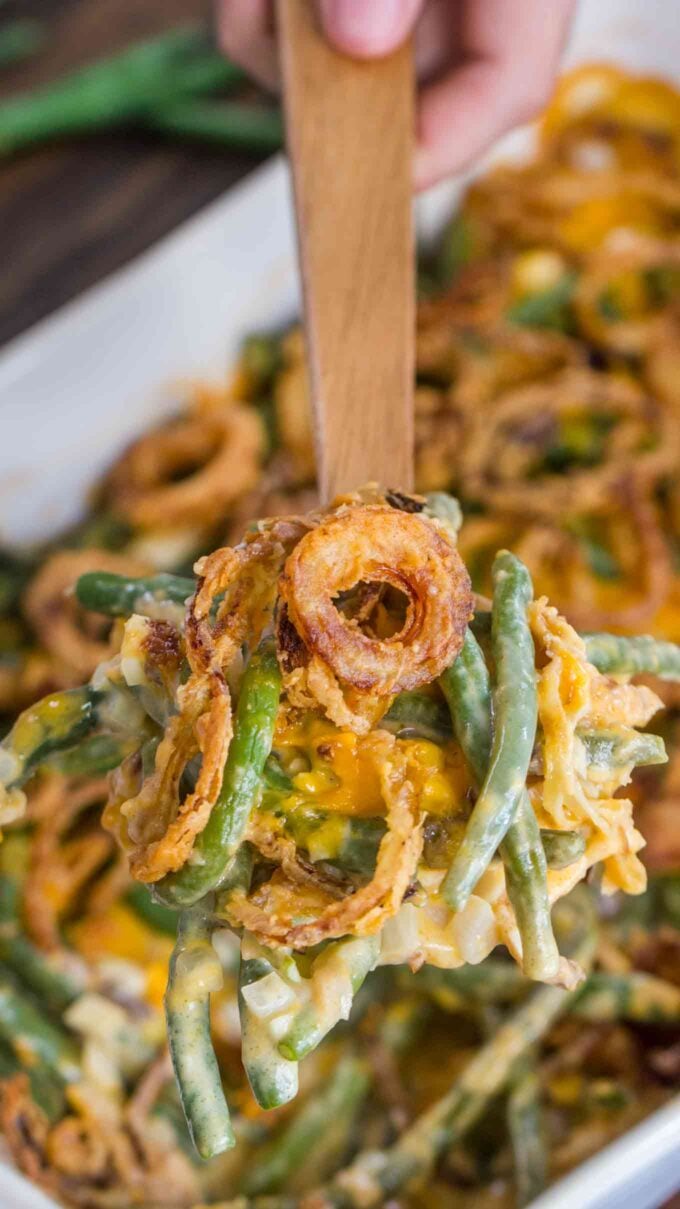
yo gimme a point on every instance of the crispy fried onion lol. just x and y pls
(561, 561)
(507, 460)
(327, 652)
(191, 470)
(572, 693)
(76, 638)
(101, 1157)
(150, 818)
(633, 256)
(271, 909)
(69, 853)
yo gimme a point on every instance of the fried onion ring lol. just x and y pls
(377, 544)
(634, 254)
(153, 823)
(65, 857)
(73, 636)
(365, 911)
(219, 454)
(500, 467)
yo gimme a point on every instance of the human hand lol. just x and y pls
(484, 65)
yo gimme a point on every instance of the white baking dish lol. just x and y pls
(75, 388)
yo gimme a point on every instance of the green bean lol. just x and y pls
(466, 687)
(624, 745)
(272, 1077)
(241, 783)
(247, 127)
(117, 89)
(160, 918)
(352, 842)
(376, 1176)
(619, 656)
(316, 1136)
(19, 40)
(547, 308)
(666, 891)
(262, 357)
(402, 1021)
(120, 595)
(15, 572)
(515, 714)
(358, 848)
(31, 1034)
(46, 1089)
(194, 973)
(457, 248)
(56, 722)
(525, 865)
(93, 756)
(43, 974)
(492, 981)
(635, 996)
(274, 778)
(562, 848)
(467, 690)
(104, 530)
(416, 713)
(445, 508)
(527, 1136)
(343, 965)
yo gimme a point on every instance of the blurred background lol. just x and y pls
(75, 206)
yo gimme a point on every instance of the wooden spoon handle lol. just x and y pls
(350, 141)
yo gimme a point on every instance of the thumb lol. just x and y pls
(368, 28)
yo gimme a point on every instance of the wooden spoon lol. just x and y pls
(350, 140)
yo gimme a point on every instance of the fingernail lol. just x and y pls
(367, 27)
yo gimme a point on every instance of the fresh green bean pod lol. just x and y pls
(194, 973)
(247, 127)
(344, 963)
(376, 1176)
(317, 1135)
(241, 783)
(33, 1037)
(272, 1077)
(618, 656)
(635, 996)
(562, 848)
(115, 90)
(56, 722)
(466, 687)
(618, 747)
(527, 1135)
(515, 712)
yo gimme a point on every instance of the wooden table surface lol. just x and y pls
(71, 213)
